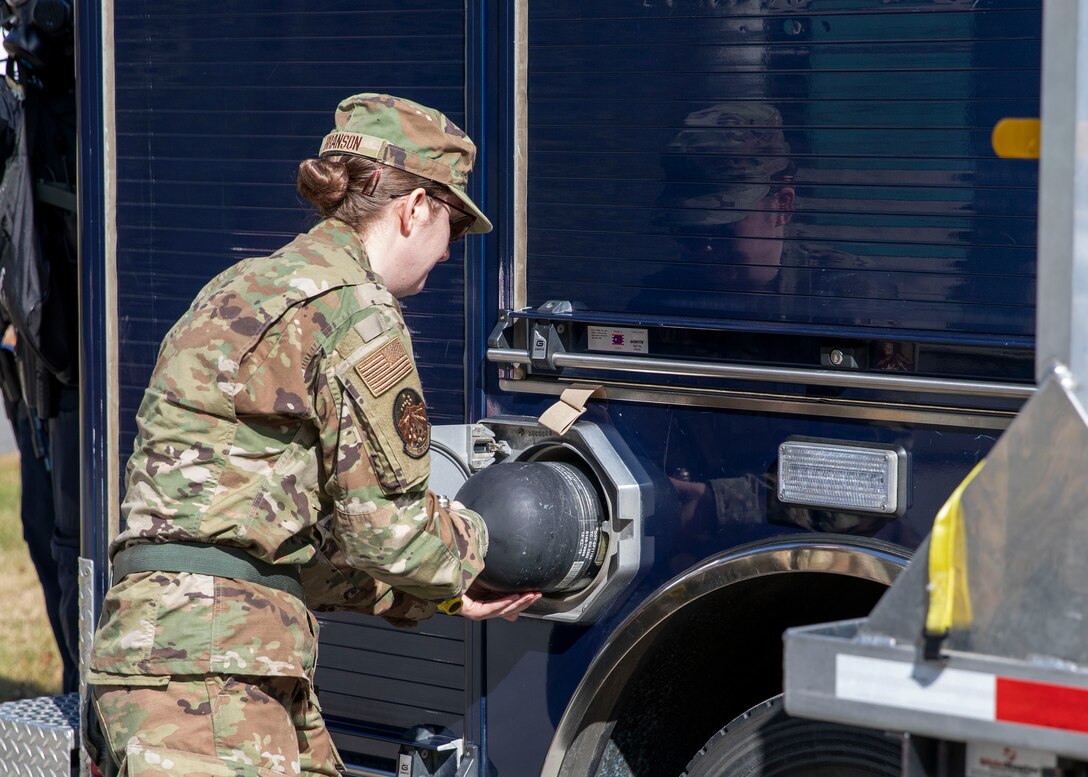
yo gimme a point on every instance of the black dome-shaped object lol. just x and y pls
(543, 518)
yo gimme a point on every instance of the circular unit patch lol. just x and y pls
(410, 418)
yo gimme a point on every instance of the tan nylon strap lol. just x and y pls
(561, 416)
(381, 150)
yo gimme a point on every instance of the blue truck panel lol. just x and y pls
(533, 667)
(214, 111)
(651, 134)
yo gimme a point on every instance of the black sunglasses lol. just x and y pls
(461, 220)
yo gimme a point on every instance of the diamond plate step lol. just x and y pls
(38, 736)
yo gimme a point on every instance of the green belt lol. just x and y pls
(203, 559)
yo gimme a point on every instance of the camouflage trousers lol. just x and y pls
(217, 726)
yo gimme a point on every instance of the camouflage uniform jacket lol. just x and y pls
(284, 417)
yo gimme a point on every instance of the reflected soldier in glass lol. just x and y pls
(739, 221)
(729, 200)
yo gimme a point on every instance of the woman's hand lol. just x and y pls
(479, 605)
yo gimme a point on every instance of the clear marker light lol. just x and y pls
(842, 477)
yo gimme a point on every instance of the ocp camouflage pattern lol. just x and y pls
(258, 431)
(333, 584)
(155, 625)
(409, 136)
(218, 727)
(416, 138)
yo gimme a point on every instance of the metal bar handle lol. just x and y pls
(769, 374)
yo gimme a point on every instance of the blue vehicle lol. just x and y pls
(771, 236)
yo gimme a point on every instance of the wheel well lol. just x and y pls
(712, 660)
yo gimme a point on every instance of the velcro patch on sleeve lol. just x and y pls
(385, 368)
(410, 420)
(372, 326)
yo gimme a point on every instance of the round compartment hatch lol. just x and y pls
(544, 521)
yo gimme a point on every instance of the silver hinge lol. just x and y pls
(547, 338)
(485, 448)
(544, 338)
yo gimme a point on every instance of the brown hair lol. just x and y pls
(342, 186)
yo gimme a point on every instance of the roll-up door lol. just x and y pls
(817, 165)
(215, 106)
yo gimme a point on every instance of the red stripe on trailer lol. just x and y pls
(1041, 704)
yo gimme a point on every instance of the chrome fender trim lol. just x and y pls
(858, 557)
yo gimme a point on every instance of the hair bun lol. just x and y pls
(324, 182)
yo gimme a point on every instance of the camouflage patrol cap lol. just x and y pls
(748, 152)
(409, 136)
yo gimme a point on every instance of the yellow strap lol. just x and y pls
(451, 606)
(949, 600)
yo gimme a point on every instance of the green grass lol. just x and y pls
(29, 662)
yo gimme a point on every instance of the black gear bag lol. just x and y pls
(27, 286)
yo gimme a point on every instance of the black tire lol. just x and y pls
(766, 742)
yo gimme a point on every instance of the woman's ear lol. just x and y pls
(413, 211)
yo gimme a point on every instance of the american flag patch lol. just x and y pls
(385, 368)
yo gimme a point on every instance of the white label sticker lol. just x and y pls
(618, 339)
(987, 760)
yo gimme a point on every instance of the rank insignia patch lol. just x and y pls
(385, 368)
(410, 418)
